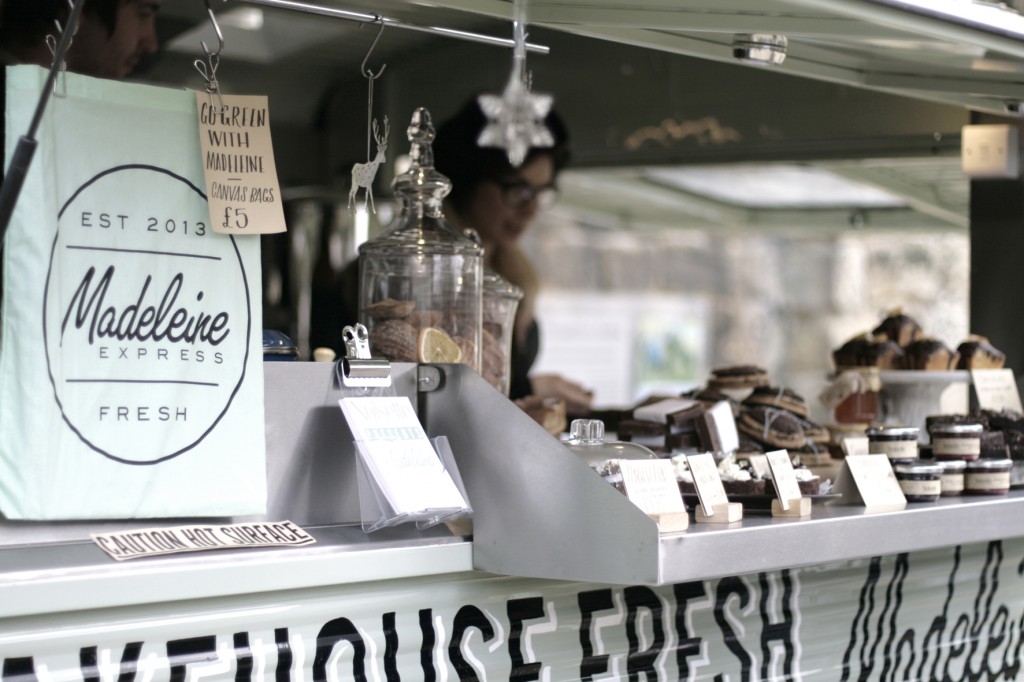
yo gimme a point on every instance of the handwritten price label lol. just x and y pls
(242, 188)
(996, 389)
(235, 219)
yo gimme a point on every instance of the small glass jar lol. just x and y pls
(920, 482)
(956, 441)
(952, 477)
(987, 476)
(500, 302)
(898, 442)
(858, 408)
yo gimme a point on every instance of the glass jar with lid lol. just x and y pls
(500, 302)
(586, 439)
(421, 281)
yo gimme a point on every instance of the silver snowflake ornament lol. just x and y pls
(515, 120)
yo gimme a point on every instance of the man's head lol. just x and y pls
(113, 35)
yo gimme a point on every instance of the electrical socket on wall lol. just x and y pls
(990, 151)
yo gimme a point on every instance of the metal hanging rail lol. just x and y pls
(365, 18)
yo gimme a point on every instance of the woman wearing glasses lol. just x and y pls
(501, 202)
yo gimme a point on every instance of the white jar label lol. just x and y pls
(953, 483)
(999, 480)
(896, 449)
(961, 447)
(930, 488)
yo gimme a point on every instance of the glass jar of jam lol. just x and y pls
(987, 476)
(952, 477)
(920, 482)
(956, 441)
(898, 442)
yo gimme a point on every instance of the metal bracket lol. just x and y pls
(429, 378)
(357, 368)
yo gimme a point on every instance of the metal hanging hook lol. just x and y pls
(220, 36)
(363, 68)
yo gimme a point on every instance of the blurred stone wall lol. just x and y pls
(781, 301)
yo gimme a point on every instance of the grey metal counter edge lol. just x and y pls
(538, 512)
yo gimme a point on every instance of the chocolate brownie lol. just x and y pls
(738, 376)
(899, 327)
(976, 352)
(783, 398)
(930, 355)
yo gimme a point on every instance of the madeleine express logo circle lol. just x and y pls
(146, 315)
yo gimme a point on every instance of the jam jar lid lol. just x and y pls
(990, 464)
(952, 466)
(893, 433)
(958, 429)
(919, 468)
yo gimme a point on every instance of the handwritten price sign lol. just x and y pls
(238, 162)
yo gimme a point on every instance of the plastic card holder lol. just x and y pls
(402, 476)
(376, 509)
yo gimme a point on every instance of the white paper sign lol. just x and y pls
(759, 465)
(870, 480)
(652, 486)
(723, 422)
(996, 389)
(855, 445)
(707, 480)
(134, 544)
(787, 488)
(399, 455)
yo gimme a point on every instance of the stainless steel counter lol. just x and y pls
(539, 512)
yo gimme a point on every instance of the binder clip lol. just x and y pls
(357, 369)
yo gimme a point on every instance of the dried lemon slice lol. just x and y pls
(436, 346)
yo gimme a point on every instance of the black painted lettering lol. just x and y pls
(427, 647)
(243, 657)
(893, 601)
(862, 620)
(642, 662)
(184, 652)
(467, 617)
(331, 634)
(689, 644)
(590, 603)
(519, 610)
(729, 587)
(283, 673)
(19, 670)
(390, 647)
(782, 631)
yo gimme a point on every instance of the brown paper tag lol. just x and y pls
(242, 189)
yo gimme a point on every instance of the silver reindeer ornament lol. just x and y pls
(364, 173)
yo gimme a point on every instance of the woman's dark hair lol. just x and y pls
(458, 156)
(22, 22)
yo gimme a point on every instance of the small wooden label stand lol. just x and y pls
(789, 502)
(714, 506)
(651, 485)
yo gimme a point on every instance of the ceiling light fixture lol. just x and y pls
(246, 18)
(760, 48)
